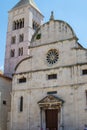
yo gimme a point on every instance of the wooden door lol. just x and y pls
(51, 119)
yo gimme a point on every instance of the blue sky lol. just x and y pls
(74, 12)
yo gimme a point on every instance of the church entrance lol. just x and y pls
(51, 119)
(51, 113)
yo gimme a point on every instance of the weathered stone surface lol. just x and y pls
(5, 102)
(70, 85)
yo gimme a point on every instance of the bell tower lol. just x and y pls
(24, 19)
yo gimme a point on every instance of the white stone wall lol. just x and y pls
(5, 91)
(53, 31)
(74, 108)
(70, 84)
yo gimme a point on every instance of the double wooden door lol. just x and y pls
(51, 119)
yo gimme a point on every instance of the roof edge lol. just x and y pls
(23, 3)
(21, 62)
(6, 77)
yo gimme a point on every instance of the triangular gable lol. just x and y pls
(51, 102)
(50, 99)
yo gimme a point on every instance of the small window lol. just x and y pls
(86, 96)
(52, 92)
(22, 80)
(13, 40)
(20, 51)
(4, 102)
(35, 25)
(21, 104)
(21, 37)
(12, 53)
(52, 76)
(84, 72)
(38, 36)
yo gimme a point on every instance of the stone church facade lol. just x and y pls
(49, 87)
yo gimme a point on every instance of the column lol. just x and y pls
(41, 118)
